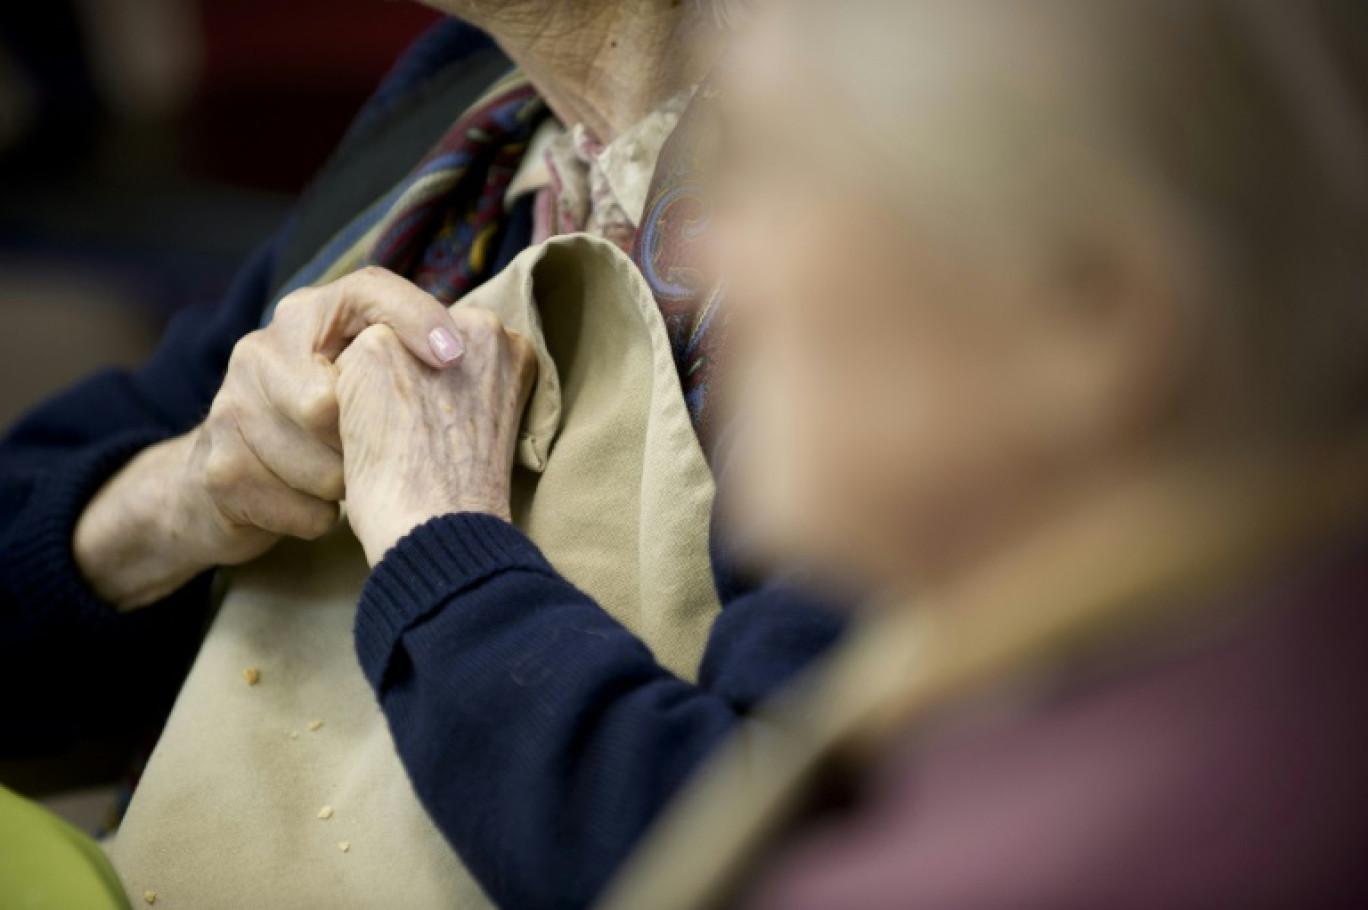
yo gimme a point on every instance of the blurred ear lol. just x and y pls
(1113, 361)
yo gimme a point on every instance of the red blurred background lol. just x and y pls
(146, 146)
(282, 80)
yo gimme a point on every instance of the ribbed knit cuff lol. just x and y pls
(37, 564)
(433, 563)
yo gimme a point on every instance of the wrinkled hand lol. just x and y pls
(267, 461)
(419, 443)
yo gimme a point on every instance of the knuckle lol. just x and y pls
(373, 273)
(225, 411)
(367, 279)
(378, 334)
(245, 352)
(479, 325)
(223, 471)
(375, 340)
(292, 303)
(486, 319)
(317, 407)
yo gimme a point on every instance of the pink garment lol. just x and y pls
(1234, 774)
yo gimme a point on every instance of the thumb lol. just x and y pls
(375, 296)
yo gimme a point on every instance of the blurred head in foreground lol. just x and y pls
(994, 257)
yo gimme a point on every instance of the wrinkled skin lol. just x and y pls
(419, 443)
(267, 460)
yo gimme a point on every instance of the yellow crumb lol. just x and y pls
(344, 845)
(150, 896)
(325, 813)
(315, 725)
(252, 675)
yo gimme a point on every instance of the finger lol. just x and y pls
(373, 296)
(375, 342)
(298, 458)
(250, 495)
(264, 501)
(304, 394)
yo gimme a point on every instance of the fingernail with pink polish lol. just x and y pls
(445, 345)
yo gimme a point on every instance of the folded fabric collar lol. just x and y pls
(586, 185)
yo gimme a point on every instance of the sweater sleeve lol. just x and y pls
(541, 735)
(84, 668)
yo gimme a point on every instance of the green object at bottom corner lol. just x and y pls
(46, 864)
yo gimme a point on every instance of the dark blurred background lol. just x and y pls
(146, 146)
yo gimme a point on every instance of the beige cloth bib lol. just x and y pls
(228, 811)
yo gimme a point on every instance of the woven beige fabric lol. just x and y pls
(612, 486)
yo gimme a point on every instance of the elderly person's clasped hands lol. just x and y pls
(368, 389)
(365, 389)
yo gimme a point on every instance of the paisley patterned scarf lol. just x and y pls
(669, 252)
(439, 225)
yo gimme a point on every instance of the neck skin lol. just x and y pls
(603, 63)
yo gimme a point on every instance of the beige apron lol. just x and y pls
(227, 813)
